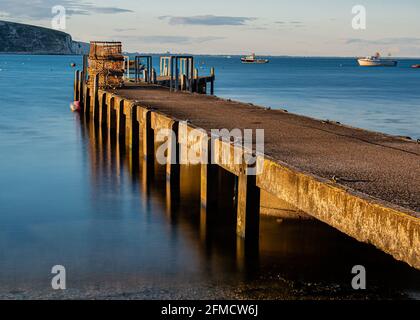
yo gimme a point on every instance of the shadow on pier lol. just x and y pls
(292, 259)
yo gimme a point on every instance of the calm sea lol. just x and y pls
(71, 195)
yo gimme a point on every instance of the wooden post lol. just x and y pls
(176, 75)
(187, 75)
(145, 76)
(95, 104)
(183, 82)
(154, 77)
(120, 120)
(111, 114)
(209, 180)
(102, 109)
(85, 66)
(146, 134)
(212, 81)
(248, 214)
(81, 86)
(86, 97)
(196, 79)
(172, 165)
(131, 132)
(76, 85)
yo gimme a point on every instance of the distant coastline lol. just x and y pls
(18, 38)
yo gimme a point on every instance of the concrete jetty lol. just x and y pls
(363, 183)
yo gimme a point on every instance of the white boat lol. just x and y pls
(377, 61)
(253, 59)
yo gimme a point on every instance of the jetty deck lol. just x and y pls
(365, 184)
(381, 166)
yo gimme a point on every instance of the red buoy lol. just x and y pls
(75, 106)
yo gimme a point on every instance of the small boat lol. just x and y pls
(415, 66)
(253, 59)
(376, 61)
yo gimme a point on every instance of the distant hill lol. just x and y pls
(24, 38)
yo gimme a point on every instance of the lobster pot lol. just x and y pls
(106, 59)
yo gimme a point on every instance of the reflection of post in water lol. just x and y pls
(217, 196)
(247, 256)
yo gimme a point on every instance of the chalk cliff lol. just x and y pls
(23, 38)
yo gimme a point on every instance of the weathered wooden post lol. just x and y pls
(208, 178)
(196, 79)
(154, 77)
(102, 109)
(248, 202)
(76, 85)
(183, 82)
(86, 100)
(120, 116)
(95, 104)
(176, 88)
(145, 76)
(146, 134)
(81, 86)
(212, 73)
(85, 66)
(111, 113)
(172, 165)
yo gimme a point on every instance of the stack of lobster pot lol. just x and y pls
(107, 61)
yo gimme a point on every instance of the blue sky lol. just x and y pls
(285, 27)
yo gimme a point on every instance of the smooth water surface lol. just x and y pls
(71, 195)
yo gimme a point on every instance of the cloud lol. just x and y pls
(404, 46)
(385, 41)
(172, 39)
(290, 24)
(124, 29)
(208, 20)
(41, 9)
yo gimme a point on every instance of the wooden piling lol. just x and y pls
(153, 76)
(81, 86)
(131, 134)
(146, 75)
(95, 102)
(120, 117)
(208, 181)
(213, 77)
(102, 109)
(183, 82)
(86, 100)
(111, 114)
(172, 165)
(146, 134)
(195, 80)
(76, 85)
(248, 202)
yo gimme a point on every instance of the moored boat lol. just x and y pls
(415, 66)
(253, 59)
(377, 61)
